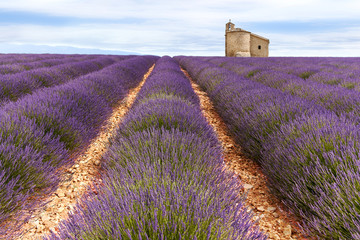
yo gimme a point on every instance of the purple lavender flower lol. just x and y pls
(40, 131)
(301, 130)
(162, 175)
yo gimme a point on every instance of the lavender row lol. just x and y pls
(345, 80)
(25, 66)
(43, 132)
(14, 86)
(305, 80)
(20, 58)
(299, 66)
(342, 72)
(340, 100)
(163, 174)
(309, 153)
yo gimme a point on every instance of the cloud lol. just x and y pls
(341, 42)
(190, 10)
(182, 27)
(147, 38)
(24, 48)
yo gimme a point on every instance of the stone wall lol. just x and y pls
(259, 47)
(237, 41)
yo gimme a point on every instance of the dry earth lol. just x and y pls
(274, 219)
(79, 177)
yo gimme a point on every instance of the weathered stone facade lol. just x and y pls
(241, 43)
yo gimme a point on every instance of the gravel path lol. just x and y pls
(271, 213)
(79, 177)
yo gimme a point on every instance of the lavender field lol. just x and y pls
(298, 118)
(56, 112)
(163, 175)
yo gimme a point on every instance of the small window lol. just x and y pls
(259, 47)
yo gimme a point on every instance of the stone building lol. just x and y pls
(241, 43)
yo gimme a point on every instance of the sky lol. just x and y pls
(172, 27)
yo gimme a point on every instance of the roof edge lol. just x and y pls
(258, 36)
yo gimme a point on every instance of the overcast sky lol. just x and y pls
(171, 27)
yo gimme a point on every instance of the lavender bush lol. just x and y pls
(321, 152)
(251, 110)
(25, 58)
(310, 153)
(165, 179)
(25, 66)
(337, 99)
(15, 86)
(40, 131)
(158, 88)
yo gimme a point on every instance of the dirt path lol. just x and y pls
(274, 220)
(79, 177)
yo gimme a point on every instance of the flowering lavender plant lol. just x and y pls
(40, 131)
(162, 175)
(305, 136)
(14, 86)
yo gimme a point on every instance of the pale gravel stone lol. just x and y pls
(271, 209)
(261, 209)
(287, 230)
(248, 186)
